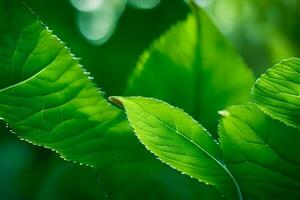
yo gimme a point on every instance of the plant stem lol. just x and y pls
(197, 61)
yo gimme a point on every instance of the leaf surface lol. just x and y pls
(277, 92)
(262, 153)
(191, 66)
(179, 141)
(47, 99)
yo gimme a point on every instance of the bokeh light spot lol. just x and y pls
(86, 5)
(144, 4)
(97, 27)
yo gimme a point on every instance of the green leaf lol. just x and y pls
(262, 153)
(191, 66)
(179, 141)
(45, 96)
(277, 92)
(47, 99)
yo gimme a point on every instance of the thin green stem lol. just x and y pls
(197, 61)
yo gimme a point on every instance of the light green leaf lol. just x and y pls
(179, 141)
(47, 99)
(193, 66)
(277, 92)
(261, 153)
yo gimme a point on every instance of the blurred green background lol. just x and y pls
(109, 36)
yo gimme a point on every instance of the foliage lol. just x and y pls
(48, 99)
(260, 153)
(58, 107)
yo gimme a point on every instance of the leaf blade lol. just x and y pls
(261, 153)
(179, 141)
(277, 92)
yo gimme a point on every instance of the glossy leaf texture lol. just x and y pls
(277, 92)
(191, 66)
(47, 99)
(179, 141)
(262, 153)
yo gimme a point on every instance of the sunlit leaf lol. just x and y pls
(262, 153)
(179, 141)
(277, 92)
